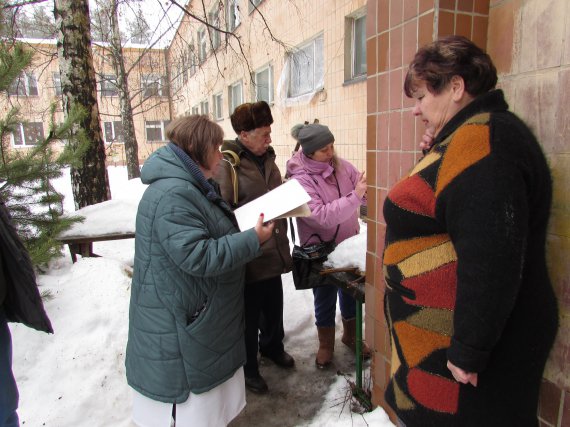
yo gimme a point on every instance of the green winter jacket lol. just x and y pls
(186, 318)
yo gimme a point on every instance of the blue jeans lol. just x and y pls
(8, 389)
(325, 305)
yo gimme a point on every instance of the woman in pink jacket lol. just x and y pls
(337, 190)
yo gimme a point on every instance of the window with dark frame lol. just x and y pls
(28, 134)
(155, 130)
(108, 85)
(114, 131)
(25, 85)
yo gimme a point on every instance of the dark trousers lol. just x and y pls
(263, 321)
(8, 389)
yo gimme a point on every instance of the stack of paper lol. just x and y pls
(288, 200)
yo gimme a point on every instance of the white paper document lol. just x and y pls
(289, 199)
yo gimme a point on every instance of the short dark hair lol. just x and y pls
(250, 116)
(436, 63)
(197, 135)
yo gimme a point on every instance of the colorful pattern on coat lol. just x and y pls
(421, 276)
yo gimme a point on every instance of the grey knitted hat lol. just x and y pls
(314, 136)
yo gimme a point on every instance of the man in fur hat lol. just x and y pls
(257, 174)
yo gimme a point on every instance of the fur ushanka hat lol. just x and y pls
(313, 137)
(251, 115)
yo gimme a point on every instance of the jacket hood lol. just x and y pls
(301, 164)
(162, 164)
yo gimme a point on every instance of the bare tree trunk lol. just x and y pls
(90, 182)
(130, 139)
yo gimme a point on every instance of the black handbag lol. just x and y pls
(308, 261)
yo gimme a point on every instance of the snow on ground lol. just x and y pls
(76, 377)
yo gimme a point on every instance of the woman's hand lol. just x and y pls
(461, 376)
(264, 231)
(427, 139)
(361, 186)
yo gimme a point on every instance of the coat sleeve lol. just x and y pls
(328, 214)
(485, 210)
(184, 229)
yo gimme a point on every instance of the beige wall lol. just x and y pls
(529, 41)
(340, 105)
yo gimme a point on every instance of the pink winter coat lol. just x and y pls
(328, 208)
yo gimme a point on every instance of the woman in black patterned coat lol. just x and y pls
(469, 304)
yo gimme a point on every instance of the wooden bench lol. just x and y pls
(83, 245)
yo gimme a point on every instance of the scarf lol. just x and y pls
(206, 186)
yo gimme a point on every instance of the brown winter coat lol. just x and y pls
(276, 258)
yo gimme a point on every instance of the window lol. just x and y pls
(153, 85)
(307, 68)
(204, 107)
(192, 61)
(113, 131)
(218, 106)
(202, 45)
(253, 3)
(185, 65)
(196, 109)
(108, 85)
(235, 96)
(56, 77)
(155, 130)
(27, 134)
(355, 46)
(232, 13)
(264, 84)
(214, 19)
(25, 85)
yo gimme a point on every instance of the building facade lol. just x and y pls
(39, 87)
(306, 59)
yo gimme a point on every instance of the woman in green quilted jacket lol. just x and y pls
(185, 348)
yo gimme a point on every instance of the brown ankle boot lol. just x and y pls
(349, 337)
(326, 346)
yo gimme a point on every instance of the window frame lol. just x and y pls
(232, 10)
(296, 58)
(215, 36)
(202, 45)
(156, 124)
(107, 88)
(204, 107)
(231, 102)
(218, 104)
(192, 58)
(271, 84)
(21, 129)
(26, 85)
(147, 80)
(251, 4)
(56, 79)
(350, 46)
(117, 139)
